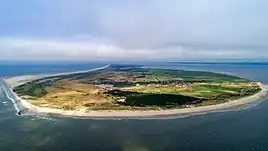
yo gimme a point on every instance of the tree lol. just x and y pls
(38, 92)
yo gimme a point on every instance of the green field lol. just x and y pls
(135, 88)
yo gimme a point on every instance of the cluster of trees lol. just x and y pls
(31, 89)
(242, 92)
(150, 99)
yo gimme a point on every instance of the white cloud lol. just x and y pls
(153, 23)
(82, 49)
(134, 29)
(66, 49)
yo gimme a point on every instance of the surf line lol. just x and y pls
(10, 97)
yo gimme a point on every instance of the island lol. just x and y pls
(134, 91)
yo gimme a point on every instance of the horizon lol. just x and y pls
(114, 31)
(71, 62)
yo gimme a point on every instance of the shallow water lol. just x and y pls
(244, 130)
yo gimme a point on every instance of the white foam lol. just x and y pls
(10, 98)
(43, 118)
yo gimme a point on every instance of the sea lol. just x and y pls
(243, 129)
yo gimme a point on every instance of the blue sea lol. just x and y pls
(241, 130)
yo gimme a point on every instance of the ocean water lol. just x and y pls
(9, 69)
(242, 130)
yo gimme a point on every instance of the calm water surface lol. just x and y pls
(243, 130)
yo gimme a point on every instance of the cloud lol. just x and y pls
(153, 23)
(67, 49)
(134, 30)
(77, 49)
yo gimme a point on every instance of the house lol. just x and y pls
(121, 100)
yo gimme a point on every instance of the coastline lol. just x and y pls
(19, 80)
(24, 105)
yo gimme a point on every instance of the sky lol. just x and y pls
(133, 30)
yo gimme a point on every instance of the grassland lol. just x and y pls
(135, 88)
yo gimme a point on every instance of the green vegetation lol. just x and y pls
(135, 88)
(31, 89)
(154, 99)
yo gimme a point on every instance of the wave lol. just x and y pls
(8, 95)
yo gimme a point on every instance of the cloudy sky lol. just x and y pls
(134, 30)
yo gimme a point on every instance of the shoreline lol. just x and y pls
(22, 105)
(19, 80)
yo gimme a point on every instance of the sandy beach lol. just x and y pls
(15, 81)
